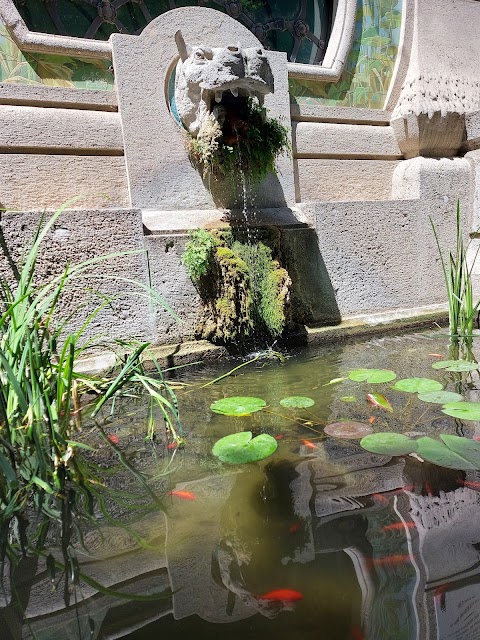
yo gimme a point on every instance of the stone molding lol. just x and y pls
(330, 70)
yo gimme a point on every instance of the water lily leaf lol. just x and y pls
(417, 385)
(241, 448)
(440, 397)
(238, 405)
(462, 410)
(438, 453)
(349, 398)
(297, 402)
(390, 444)
(374, 376)
(348, 429)
(380, 401)
(468, 449)
(455, 365)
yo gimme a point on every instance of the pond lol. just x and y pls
(321, 539)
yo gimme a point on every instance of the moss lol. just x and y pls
(254, 151)
(245, 290)
(198, 253)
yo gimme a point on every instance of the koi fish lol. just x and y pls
(372, 419)
(357, 633)
(469, 483)
(172, 445)
(391, 561)
(185, 495)
(281, 595)
(398, 526)
(294, 527)
(435, 355)
(114, 439)
(309, 444)
(279, 437)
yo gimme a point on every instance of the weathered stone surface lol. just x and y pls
(382, 255)
(311, 112)
(434, 136)
(69, 130)
(321, 139)
(472, 130)
(81, 235)
(31, 181)
(428, 178)
(159, 171)
(320, 179)
(42, 95)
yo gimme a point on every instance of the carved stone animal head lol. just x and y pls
(204, 73)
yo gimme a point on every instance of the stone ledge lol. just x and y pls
(302, 112)
(60, 97)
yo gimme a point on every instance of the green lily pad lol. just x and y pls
(390, 444)
(297, 402)
(462, 410)
(455, 365)
(417, 385)
(468, 449)
(380, 401)
(438, 453)
(374, 376)
(238, 405)
(440, 397)
(241, 448)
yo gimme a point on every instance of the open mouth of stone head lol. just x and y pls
(229, 103)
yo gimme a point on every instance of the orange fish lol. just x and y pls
(372, 419)
(281, 595)
(309, 444)
(172, 445)
(114, 439)
(294, 527)
(279, 437)
(392, 561)
(397, 526)
(435, 355)
(185, 495)
(357, 633)
(477, 438)
(469, 483)
(379, 498)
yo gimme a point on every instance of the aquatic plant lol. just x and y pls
(46, 474)
(241, 448)
(257, 143)
(457, 274)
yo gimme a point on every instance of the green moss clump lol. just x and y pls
(198, 253)
(254, 153)
(246, 292)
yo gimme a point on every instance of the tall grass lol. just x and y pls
(462, 308)
(45, 473)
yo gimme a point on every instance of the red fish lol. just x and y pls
(114, 439)
(477, 438)
(357, 633)
(397, 526)
(391, 561)
(172, 445)
(469, 483)
(435, 355)
(372, 419)
(379, 498)
(281, 595)
(279, 437)
(309, 444)
(185, 495)
(294, 527)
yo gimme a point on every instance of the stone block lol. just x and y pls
(31, 181)
(431, 135)
(320, 179)
(322, 139)
(68, 130)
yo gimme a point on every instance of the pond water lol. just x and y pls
(354, 545)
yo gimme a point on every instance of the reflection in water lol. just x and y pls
(380, 548)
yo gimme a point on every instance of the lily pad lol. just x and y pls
(241, 448)
(238, 405)
(374, 376)
(348, 429)
(455, 365)
(390, 444)
(462, 410)
(380, 401)
(417, 385)
(297, 402)
(468, 449)
(440, 397)
(438, 453)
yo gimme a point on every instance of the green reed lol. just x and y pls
(46, 475)
(462, 308)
